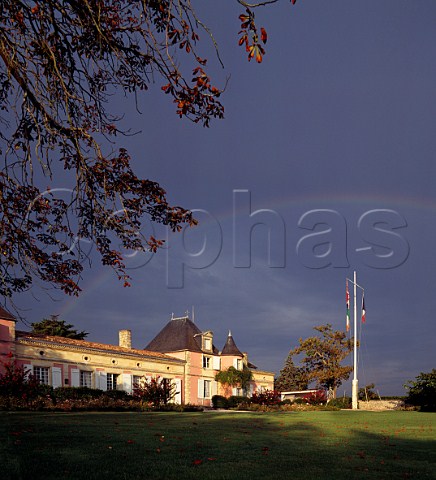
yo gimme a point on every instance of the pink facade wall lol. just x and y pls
(7, 336)
(227, 361)
(195, 370)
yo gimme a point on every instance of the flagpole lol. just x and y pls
(355, 383)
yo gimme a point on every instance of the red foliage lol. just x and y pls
(17, 382)
(316, 398)
(267, 397)
(250, 36)
(157, 391)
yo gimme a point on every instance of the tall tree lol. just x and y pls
(59, 328)
(61, 62)
(322, 357)
(291, 377)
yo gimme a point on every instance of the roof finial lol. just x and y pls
(230, 333)
(172, 315)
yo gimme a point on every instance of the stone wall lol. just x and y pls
(379, 405)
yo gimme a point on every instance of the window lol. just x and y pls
(239, 364)
(41, 374)
(206, 362)
(207, 389)
(239, 392)
(85, 378)
(137, 381)
(207, 344)
(111, 381)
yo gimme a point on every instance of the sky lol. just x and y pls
(324, 165)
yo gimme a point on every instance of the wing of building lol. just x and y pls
(180, 352)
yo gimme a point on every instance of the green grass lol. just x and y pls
(215, 445)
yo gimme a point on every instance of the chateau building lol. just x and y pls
(180, 353)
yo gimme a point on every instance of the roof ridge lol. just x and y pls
(88, 344)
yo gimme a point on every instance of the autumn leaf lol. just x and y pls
(263, 35)
(197, 462)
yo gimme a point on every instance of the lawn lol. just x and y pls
(218, 445)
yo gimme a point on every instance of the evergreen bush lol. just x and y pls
(218, 401)
(342, 402)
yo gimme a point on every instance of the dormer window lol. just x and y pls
(207, 343)
(206, 338)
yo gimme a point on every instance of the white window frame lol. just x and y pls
(56, 377)
(85, 378)
(207, 361)
(207, 344)
(42, 374)
(127, 382)
(111, 381)
(75, 377)
(207, 389)
(137, 380)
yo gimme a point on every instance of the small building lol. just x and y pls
(180, 353)
(297, 394)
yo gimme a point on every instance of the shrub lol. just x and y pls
(342, 402)
(192, 408)
(73, 393)
(235, 400)
(257, 407)
(267, 397)
(218, 401)
(316, 398)
(117, 394)
(422, 391)
(155, 391)
(17, 385)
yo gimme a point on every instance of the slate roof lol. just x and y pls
(230, 347)
(4, 315)
(178, 334)
(40, 339)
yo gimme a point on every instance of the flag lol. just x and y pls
(347, 300)
(363, 309)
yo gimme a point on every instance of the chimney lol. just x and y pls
(125, 338)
